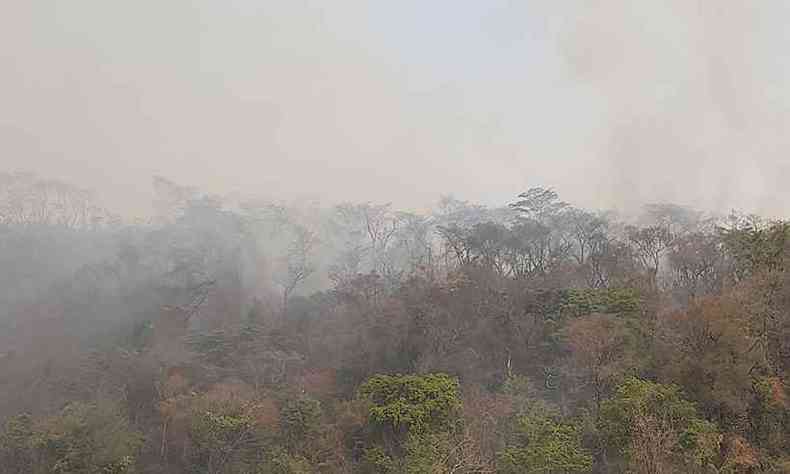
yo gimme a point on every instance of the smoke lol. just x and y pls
(695, 110)
(613, 103)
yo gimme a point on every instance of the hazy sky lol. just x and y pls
(613, 102)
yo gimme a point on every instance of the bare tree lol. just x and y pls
(609, 263)
(372, 229)
(587, 230)
(26, 200)
(696, 262)
(297, 264)
(650, 244)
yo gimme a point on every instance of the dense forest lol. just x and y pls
(228, 335)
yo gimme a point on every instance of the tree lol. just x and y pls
(280, 462)
(27, 200)
(756, 252)
(297, 265)
(415, 403)
(707, 348)
(16, 453)
(487, 242)
(535, 249)
(602, 351)
(587, 231)
(542, 231)
(656, 430)
(696, 264)
(226, 428)
(456, 241)
(412, 251)
(371, 228)
(82, 439)
(404, 406)
(540, 204)
(300, 419)
(650, 244)
(620, 301)
(546, 444)
(753, 246)
(679, 220)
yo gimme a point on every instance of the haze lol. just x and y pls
(612, 103)
(385, 237)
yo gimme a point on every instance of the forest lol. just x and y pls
(226, 335)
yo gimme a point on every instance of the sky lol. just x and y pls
(613, 103)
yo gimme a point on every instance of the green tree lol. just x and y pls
(84, 438)
(224, 435)
(414, 403)
(302, 429)
(544, 444)
(654, 429)
(280, 462)
(300, 418)
(754, 246)
(410, 415)
(621, 301)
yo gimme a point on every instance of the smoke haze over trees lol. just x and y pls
(249, 237)
(615, 105)
(228, 336)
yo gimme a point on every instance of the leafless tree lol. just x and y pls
(650, 244)
(297, 265)
(27, 200)
(371, 229)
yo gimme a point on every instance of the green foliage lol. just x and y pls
(647, 416)
(544, 444)
(87, 438)
(424, 454)
(422, 411)
(770, 415)
(699, 442)
(498, 292)
(281, 462)
(417, 403)
(15, 450)
(82, 439)
(300, 419)
(578, 302)
(433, 452)
(636, 398)
(216, 347)
(754, 246)
(221, 434)
(216, 429)
(376, 460)
(518, 389)
(516, 385)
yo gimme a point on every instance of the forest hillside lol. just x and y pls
(231, 336)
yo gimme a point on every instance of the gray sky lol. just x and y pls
(613, 103)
